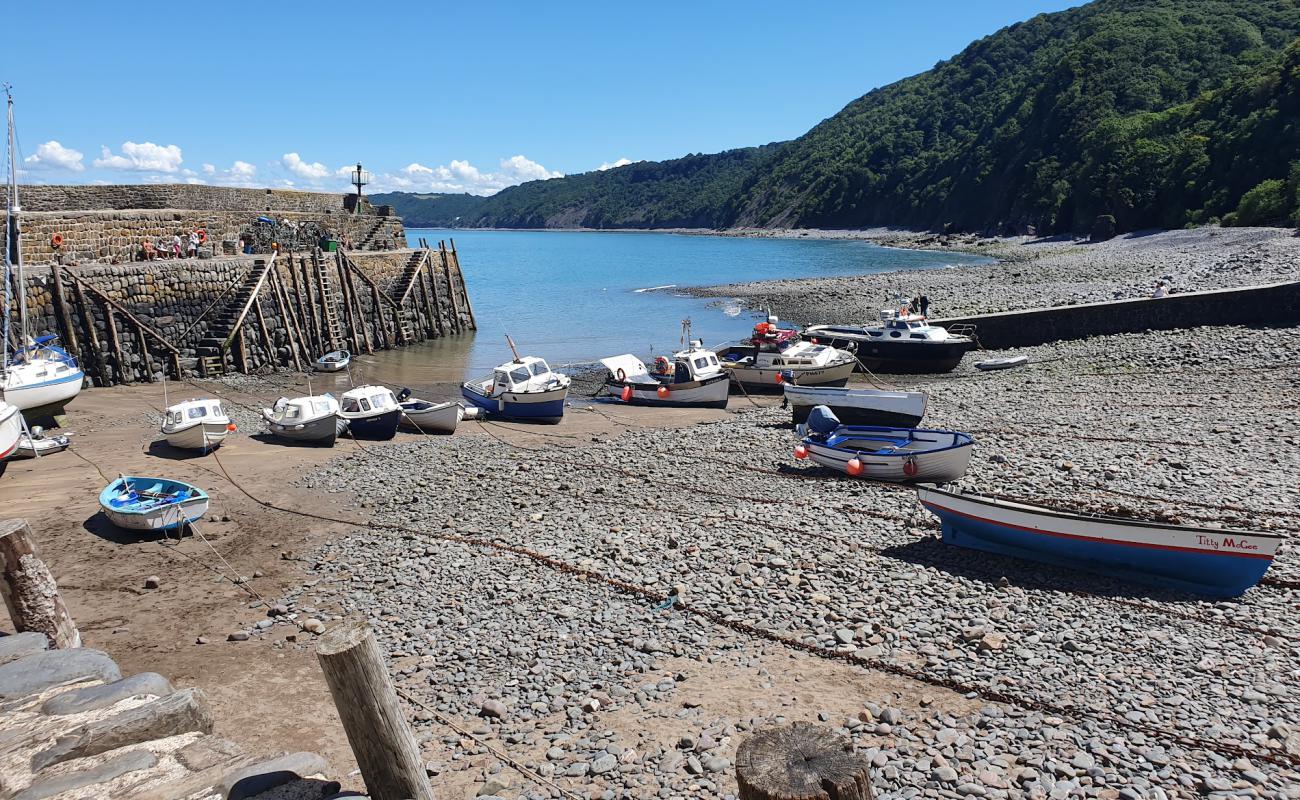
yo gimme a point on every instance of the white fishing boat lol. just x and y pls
(423, 416)
(313, 420)
(335, 361)
(39, 378)
(524, 389)
(693, 379)
(1002, 363)
(885, 454)
(152, 504)
(899, 343)
(39, 444)
(774, 356)
(11, 430)
(197, 425)
(858, 406)
(371, 412)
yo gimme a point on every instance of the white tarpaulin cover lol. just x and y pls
(634, 370)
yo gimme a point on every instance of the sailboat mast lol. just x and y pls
(9, 228)
(15, 241)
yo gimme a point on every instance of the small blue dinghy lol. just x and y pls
(152, 504)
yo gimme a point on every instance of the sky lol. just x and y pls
(451, 97)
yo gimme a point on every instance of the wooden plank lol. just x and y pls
(372, 718)
(29, 590)
(346, 272)
(110, 325)
(451, 287)
(69, 332)
(432, 276)
(242, 351)
(290, 328)
(92, 337)
(345, 296)
(144, 354)
(469, 306)
(271, 356)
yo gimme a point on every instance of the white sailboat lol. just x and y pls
(39, 378)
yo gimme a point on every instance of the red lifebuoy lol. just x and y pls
(909, 467)
(57, 240)
(203, 236)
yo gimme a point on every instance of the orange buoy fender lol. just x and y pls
(57, 240)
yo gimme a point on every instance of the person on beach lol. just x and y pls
(925, 305)
(1161, 290)
(176, 245)
(148, 250)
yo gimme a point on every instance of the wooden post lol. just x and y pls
(431, 311)
(367, 704)
(359, 315)
(92, 338)
(271, 355)
(804, 761)
(115, 343)
(146, 365)
(469, 306)
(451, 287)
(437, 300)
(29, 589)
(290, 324)
(65, 317)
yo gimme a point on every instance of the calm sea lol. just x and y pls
(577, 296)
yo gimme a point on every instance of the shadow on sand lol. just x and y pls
(99, 525)
(160, 449)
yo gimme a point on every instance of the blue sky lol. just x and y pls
(446, 96)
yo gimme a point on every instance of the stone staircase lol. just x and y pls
(368, 240)
(410, 272)
(211, 349)
(72, 726)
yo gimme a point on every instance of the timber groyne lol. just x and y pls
(325, 272)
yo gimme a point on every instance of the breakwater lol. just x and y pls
(1271, 305)
(325, 271)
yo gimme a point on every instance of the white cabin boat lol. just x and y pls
(774, 356)
(523, 389)
(197, 425)
(314, 419)
(371, 412)
(694, 378)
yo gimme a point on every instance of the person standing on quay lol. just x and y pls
(194, 244)
(176, 244)
(925, 305)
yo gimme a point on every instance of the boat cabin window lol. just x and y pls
(292, 412)
(682, 374)
(713, 360)
(321, 406)
(379, 400)
(196, 412)
(701, 362)
(519, 375)
(777, 362)
(895, 334)
(364, 403)
(917, 336)
(173, 417)
(540, 368)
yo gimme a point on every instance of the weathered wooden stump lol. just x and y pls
(363, 693)
(29, 589)
(802, 761)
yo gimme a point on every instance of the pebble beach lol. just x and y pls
(609, 615)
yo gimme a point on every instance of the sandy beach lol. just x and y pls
(515, 574)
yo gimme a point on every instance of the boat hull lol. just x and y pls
(323, 431)
(708, 393)
(909, 358)
(47, 398)
(941, 465)
(11, 429)
(546, 406)
(1217, 563)
(858, 406)
(45, 446)
(440, 418)
(161, 518)
(203, 436)
(768, 379)
(381, 426)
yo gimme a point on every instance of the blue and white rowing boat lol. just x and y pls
(1207, 561)
(152, 504)
(523, 389)
(885, 454)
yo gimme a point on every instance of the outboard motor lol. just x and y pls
(822, 422)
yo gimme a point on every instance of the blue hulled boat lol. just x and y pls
(524, 389)
(152, 504)
(1207, 561)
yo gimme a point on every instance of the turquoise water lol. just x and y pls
(574, 296)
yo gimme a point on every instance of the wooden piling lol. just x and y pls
(29, 590)
(432, 276)
(359, 313)
(69, 332)
(290, 324)
(271, 356)
(802, 761)
(469, 306)
(451, 287)
(92, 338)
(110, 325)
(372, 718)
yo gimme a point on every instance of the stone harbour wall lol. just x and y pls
(178, 195)
(192, 301)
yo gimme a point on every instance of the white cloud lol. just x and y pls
(52, 155)
(196, 181)
(242, 170)
(459, 176)
(209, 169)
(313, 171)
(142, 156)
(622, 162)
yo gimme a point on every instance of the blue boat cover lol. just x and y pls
(822, 420)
